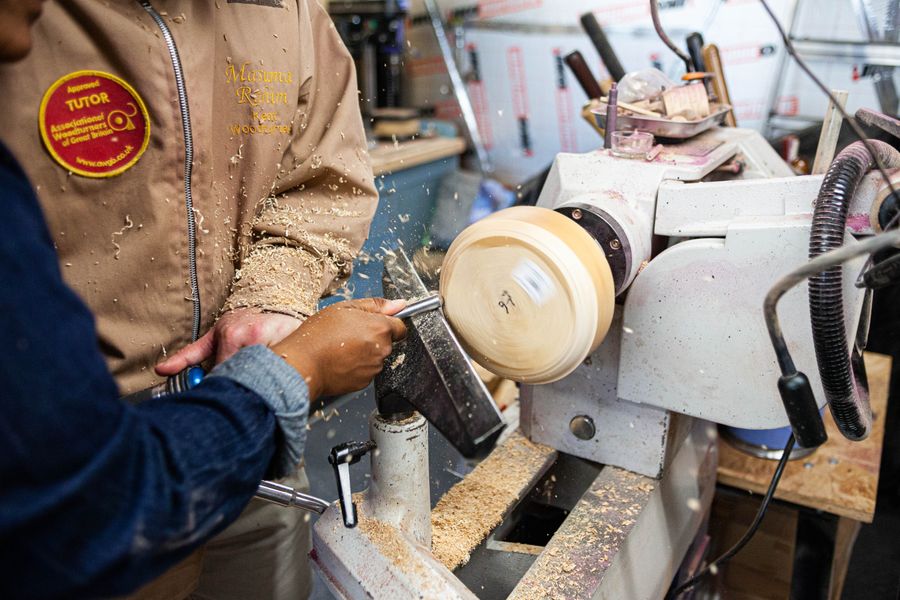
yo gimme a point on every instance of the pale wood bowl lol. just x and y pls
(528, 292)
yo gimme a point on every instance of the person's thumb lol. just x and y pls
(379, 305)
(192, 354)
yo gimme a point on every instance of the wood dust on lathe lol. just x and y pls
(472, 508)
(388, 541)
(577, 557)
(393, 546)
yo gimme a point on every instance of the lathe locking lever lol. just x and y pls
(341, 457)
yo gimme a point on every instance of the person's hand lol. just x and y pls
(234, 330)
(342, 348)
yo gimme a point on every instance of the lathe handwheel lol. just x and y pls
(528, 292)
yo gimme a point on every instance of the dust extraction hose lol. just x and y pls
(845, 387)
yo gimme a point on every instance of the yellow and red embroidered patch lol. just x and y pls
(94, 124)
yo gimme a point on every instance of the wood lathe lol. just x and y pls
(628, 352)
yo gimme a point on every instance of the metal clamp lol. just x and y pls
(341, 457)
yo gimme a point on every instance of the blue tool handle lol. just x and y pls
(180, 382)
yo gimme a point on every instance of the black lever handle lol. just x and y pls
(695, 50)
(594, 31)
(341, 457)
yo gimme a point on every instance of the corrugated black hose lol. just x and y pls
(845, 384)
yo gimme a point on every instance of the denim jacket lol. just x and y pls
(98, 496)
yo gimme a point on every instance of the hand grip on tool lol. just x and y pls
(802, 411)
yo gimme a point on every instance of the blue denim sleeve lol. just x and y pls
(284, 391)
(96, 496)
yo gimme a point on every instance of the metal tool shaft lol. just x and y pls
(288, 496)
(421, 306)
(459, 88)
(612, 114)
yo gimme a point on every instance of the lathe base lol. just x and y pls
(375, 560)
(625, 538)
(628, 534)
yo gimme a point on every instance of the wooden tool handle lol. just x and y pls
(583, 74)
(831, 131)
(714, 65)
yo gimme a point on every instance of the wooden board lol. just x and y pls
(844, 540)
(764, 568)
(841, 477)
(388, 157)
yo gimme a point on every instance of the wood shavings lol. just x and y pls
(388, 541)
(477, 504)
(398, 361)
(200, 219)
(391, 544)
(279, 277)
(128, 225)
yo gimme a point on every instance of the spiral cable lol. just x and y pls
(845, 389)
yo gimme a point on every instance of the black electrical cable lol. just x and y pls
(778, 343)
(657, 24)
(757, 520)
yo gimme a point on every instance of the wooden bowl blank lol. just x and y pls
(528, 292)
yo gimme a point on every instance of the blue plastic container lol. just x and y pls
(769, 438)
(763, 443)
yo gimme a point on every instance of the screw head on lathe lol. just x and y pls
(582, 427)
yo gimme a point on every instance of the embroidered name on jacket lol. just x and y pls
(266, 93)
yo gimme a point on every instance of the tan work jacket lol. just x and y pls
(282, 187)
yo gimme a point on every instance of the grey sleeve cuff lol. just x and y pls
(262, 371)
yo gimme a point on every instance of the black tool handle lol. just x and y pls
(583, 74)
(800, 406)
(695, 50)
(601, 43)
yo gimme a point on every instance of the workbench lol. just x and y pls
(390, 157)
(840, 478)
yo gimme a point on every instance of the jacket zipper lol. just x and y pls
(188, 162)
